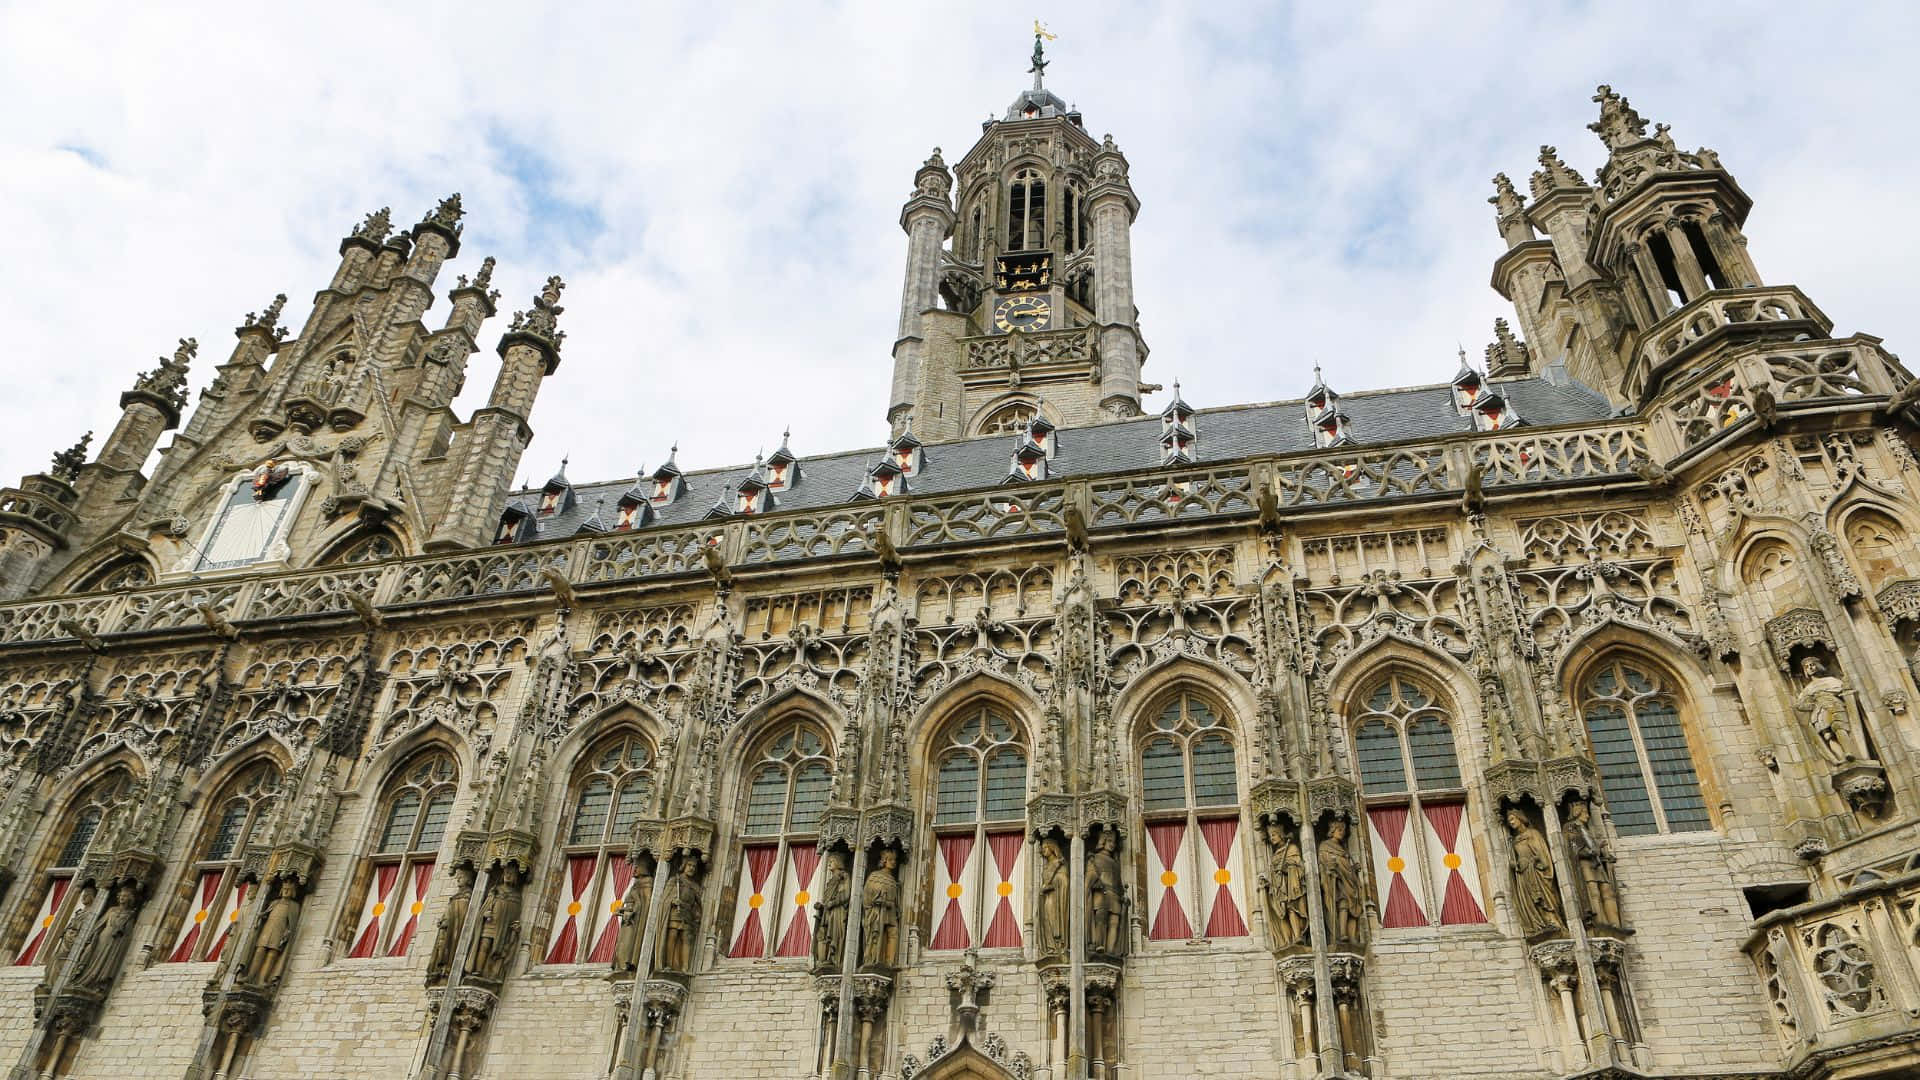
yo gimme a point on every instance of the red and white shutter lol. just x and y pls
(751, 939)
(1007, 859)
(1169, 854)
(413, 902)
(1225, 888)
(1402, 896)
(1450, 851)
(204, 893)
(796, 896)
(229, 917)
(43, 920)
(574, 913)
(604, 930)
(955, 870)
(366, 934)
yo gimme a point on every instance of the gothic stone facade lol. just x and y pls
(1555, 720)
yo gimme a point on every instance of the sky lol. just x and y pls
(720, 184)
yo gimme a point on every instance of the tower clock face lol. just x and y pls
(1022, 314)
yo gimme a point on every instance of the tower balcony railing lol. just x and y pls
(1842, 980)
(1760, 383)
(1714, 317)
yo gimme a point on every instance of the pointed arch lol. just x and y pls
(973, 766)
(212, 886)
(60, 886)
(1017, 700)
(1234, 698)
(965, 1062)
(611, 785)
(1640, 713)
(353, 542)
(407, 825)
(779, 780)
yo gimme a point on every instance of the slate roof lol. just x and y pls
(1225, 434)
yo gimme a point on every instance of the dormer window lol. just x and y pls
(516, 524)
(883, 480)
(1041, 433)
(1029, 463)
(1330, 428)
(634, 509)
(905, 454)
(782, 470)
(1492, 412)
(550, 502)
(747, 501)
(1176, 445)
(1467, 389)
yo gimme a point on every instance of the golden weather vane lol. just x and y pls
(1040, 31)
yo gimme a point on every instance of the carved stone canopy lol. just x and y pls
(1799, 628)
(1900, 601)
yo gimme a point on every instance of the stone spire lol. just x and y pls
(67, 463)
(1554, 175)
(539, 323)
(376, 227)
(1510, 212)
(1619, 126)
(168, 382)
(268, 320)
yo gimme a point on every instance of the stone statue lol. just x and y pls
(499, 927)
(1104, 898)
(633, 920)
(98, 956)
(1340, 887)
(446, 937)
(269, 958)
(1053, 921)
(830, 913)
(1536, 896)
(62, 946)
(880, 913)
(1824, 700)
(682, 919)
(1593, 863)
(1286, 886)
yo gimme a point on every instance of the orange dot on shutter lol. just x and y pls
(1221, 876)
(416, 907)
(800, 898)
(954, 890)
(1005, 888)
(573, 908)
(1169, 879)
(1452, 861)
(756, 900)
(380, 908)
(1396, 864)
(200, 916)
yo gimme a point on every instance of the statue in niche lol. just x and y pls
(633, 920)
(1593, 863)
(1824, 699)
(880, 913)
(269, 960)
(830, 913)
(1286, 886)
(682, 922)
(1536, 894)
(98, 956)
(1340, 887)
(1054, 919)
(62, 946)
(1106, 922)
(446, 935)
(499, 927)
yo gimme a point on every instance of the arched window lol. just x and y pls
(58, 905)
(1423, 862)
(125, 572)
(610, 786)
(1026, 211)
(218, 891)
(787, 782)
(977, 234)
(406, 842)
(1078, 228)
(376, 546)
(1633, 722)
(979, 833)
(1190, 792)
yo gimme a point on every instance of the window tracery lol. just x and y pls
(1633, 725)
(125, 572)
(611, 786)
(979, 814)
(218, 888)
(397, 875)
(1190, 796)
(59, 904)
(1423, 861)
(786, 789)
(1026, 211)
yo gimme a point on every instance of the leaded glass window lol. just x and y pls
(218, 889)
(1190, 792)
(980, 794)
(397, 876)
(59, 901)
(1633, 723)
(788, 780)
(611, 786)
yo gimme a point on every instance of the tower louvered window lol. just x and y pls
(1190, 792)
(1026, 212)
(1423, 861)
(406, 844)
(213, 909)
(1633, 723)
(59, 902)
(611, 789)
(980, 793)
(787, 787)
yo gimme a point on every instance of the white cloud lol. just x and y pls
(721, 185)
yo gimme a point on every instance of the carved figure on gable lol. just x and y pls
(1053, 920)
(98, 956)
(446, 936)
(1340, 888)
(1536, 895)
(269, 960)
(633, 920)
(830, 913)
(1824, 699)
(1286, 886)
(499, 927)
(880, 913)
(1106, 903)
(1593, 863)
(682, 919)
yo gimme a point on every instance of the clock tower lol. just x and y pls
(1018, 299)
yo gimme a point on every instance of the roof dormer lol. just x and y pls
(1041, 433)
(666, 484)
(1493, 412)
(557, 496)
(1177, 413)
(782, 470)
(883, 480)
(1029, 462)
(516, 524)
(906, 453)
(635, 508)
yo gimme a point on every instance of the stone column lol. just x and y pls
(1076, 1059)
(1113, 206)
(928, 220)
(1655, 285)
(1692, 276)
(849, 963)
(630, 1054)
(1325, 1029)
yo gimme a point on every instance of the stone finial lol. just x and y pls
(540, 322)
(485, 277)
(1553, 174)
(376, 227)
(935, 161)
(169, 380)
(268, 320)
(67, 463)
(1619, 125)
(1508, 355)
(446, 214)
(1505, 199)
